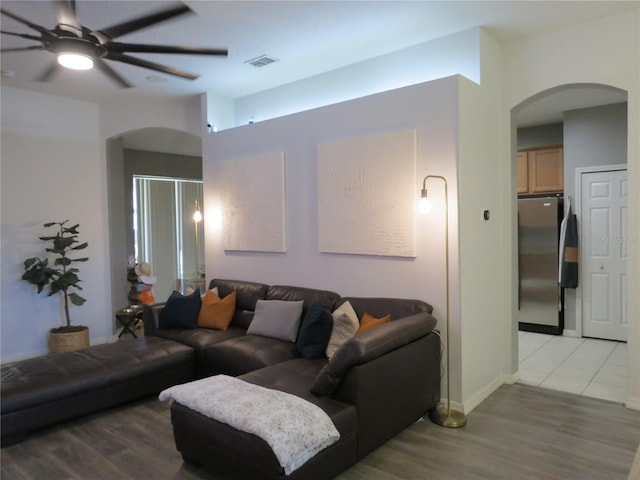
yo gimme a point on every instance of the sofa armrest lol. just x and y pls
(393, 391)
(151, 317)
(369, 345)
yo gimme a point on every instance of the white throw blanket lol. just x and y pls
(294, 428)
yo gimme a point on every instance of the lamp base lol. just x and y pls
(448, 417)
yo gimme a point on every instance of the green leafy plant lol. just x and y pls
(61, 276)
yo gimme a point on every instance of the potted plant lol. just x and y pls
(61, 277)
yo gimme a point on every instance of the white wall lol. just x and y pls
(592, 137)
(439, 58)
(117, 118)
(53, 169)
(168, 118)
(47, 140)
(542, 135)
(605, 51)
(483, 303)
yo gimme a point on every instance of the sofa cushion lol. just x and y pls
(345, 326)
(369, 345)
(369, 321)
(310, 296)
(315, 330)
(276, 319)
(247, 353)
(247, 294)
(200, 338)
(217, 312)
(181, 311)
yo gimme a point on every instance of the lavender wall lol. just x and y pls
(430, 108)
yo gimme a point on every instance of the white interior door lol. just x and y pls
(604, 253)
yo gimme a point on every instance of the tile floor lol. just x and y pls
(584, 366)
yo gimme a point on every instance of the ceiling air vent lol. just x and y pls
(261, 61)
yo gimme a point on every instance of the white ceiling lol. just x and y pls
(308, 37)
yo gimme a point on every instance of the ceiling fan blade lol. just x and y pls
(21, 35)
(111, 73)
(29, 24)
(22, 49)
(118, 47)
(49, 72)
(138, 62)
(66, 14)
(145, 21)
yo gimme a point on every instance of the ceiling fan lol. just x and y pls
(81, 48)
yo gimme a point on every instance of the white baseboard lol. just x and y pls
(481, 395)
(632, 403)
(570, 333)
(101, 340)
(512, 378)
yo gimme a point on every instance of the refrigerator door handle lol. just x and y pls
(519, 264)
(560, 302)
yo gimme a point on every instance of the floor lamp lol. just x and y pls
(197, 218)
(443, 415)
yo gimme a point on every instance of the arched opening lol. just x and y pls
(589, 123)
(159, 156)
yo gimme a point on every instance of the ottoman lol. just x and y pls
(43, 391)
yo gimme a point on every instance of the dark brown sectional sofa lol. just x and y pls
(373, 387)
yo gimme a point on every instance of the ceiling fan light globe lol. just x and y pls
(75, 61)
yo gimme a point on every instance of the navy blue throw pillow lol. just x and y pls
(181, 311)
(315, 331)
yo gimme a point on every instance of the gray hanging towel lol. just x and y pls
(569, 251)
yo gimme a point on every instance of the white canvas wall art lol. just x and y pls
(367, 195)
(253, 203)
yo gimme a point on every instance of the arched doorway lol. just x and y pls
(568, 115)
(149, 152)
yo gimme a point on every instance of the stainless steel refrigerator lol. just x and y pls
(540, 298)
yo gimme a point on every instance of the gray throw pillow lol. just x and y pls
(277, 319)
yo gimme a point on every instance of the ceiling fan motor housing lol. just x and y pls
(70, 44)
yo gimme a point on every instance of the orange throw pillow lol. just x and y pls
(368, 322)
(217, 312)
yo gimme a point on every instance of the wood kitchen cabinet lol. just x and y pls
(540, 170)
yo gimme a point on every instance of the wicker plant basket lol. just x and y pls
(67, 342)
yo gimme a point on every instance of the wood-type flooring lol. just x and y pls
(518, 433)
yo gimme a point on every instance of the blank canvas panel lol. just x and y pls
(253, 203)
(367, 195)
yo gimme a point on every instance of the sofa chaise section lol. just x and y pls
(223, 450)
